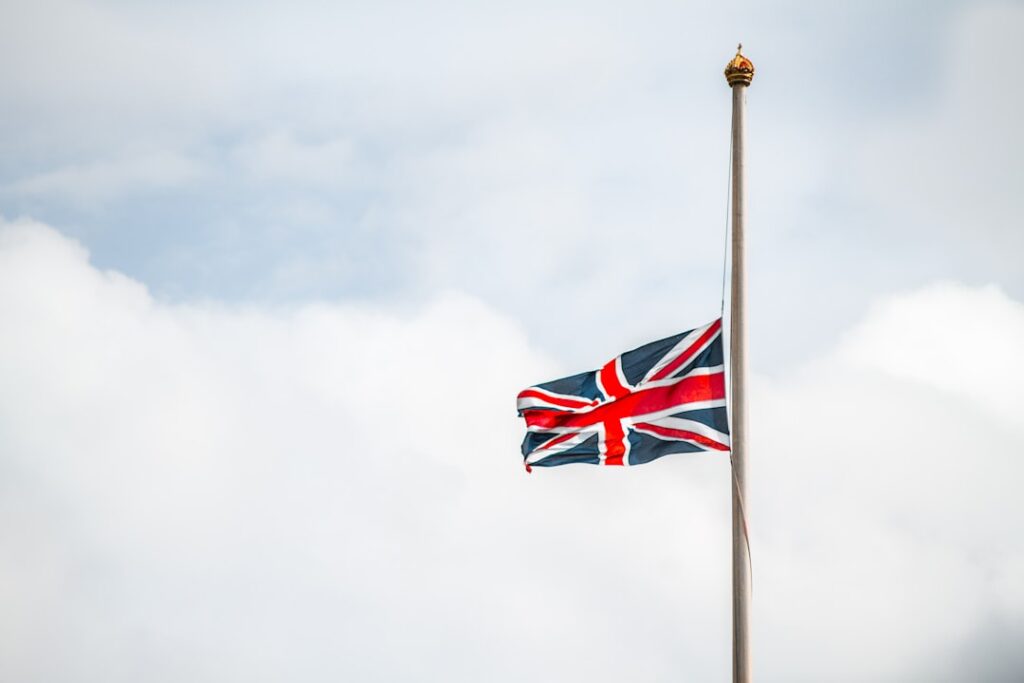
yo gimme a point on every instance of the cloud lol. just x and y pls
(963, 342)
(569, 150)
(324, 491)
(890, 505)
(101, 181)
(953, 169)
(201, 492)
(280, 157)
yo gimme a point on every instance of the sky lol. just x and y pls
(271, 276)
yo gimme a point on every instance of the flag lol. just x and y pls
(664, 397)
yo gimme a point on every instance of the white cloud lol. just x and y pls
(202, 492)
(890, 505)
(964, 342)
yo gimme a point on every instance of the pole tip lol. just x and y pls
(739, 70)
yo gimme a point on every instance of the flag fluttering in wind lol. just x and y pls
(664, 397)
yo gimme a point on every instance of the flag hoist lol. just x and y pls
(739, 73)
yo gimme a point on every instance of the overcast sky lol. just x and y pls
(271, 275)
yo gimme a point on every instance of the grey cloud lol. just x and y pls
(990, 653)
(384, 152)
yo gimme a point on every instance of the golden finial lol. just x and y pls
(740, 70)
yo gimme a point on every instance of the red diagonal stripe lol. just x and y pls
(555, 441)
(682, 434)
(683, 358)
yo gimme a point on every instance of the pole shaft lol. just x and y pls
(738, 423)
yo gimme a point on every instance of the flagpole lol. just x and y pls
(739, 73)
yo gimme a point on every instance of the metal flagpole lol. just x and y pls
(739, 73)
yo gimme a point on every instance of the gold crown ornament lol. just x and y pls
(740, 70)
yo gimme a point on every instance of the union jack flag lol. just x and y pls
(664, 397)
